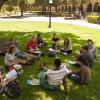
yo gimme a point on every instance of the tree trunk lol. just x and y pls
(44, 10)
(21, 12)
(2, 3)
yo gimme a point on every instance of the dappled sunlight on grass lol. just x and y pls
(42, 96)
(23, 31)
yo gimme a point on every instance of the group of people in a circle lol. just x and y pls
(51, 78)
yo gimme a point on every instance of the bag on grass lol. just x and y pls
(12, 89)
(51, 52)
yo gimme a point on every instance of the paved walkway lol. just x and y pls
(54, 19)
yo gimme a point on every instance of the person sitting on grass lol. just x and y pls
(10, 60)
(55, 41)
(67, 49)
(40, 41)
(88, 56)
(91, 47)
(22, 55)
(32, 45)
(51, 79)
(4, 80)
(83, 76)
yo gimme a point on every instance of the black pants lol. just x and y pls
(66, 51)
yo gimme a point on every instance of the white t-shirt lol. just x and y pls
(55, 77)
(8, 58)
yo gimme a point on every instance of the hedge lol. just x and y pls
(94, 19)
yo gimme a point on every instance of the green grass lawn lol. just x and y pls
(24, 30)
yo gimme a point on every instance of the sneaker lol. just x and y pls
(64, 53)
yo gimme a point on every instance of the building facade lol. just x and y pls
(89, 6)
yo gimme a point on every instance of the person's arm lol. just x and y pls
(92, 49)
(46, 77)
(65, 84)
(81, 75)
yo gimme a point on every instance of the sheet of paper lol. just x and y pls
(11, 74)
(33, 82)
(72, 62)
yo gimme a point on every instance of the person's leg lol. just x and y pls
(57, 46)
(20, 55)
(75, 77)
(87, 76)
(30, 51)
(82, 76)
(69, 51)
(20, 61)
(53, 46)
(62, 50)
(42, 74)
(28, 56)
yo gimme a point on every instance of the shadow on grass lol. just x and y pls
(31, 71)
(23, 37)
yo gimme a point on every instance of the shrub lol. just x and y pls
(94, 19)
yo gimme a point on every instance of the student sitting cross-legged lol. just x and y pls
(10, 60)
(67, 48)
(51, 79)
(22, 55)
(5, 80)
(88, 56)
(83, 76)
(32, 45)
(55, 44)
(40, 41)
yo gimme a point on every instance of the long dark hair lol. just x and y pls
(83, 60)
(67, 41)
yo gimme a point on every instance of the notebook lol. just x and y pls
(33, 82)
(11, 74)
(72, 62)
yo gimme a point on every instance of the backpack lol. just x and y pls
(12, 89)
(51, 53)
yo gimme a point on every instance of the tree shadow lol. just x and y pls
(38, 93)
(18, 16)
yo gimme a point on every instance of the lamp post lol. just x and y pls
(50, 2)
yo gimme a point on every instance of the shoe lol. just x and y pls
(64, 53)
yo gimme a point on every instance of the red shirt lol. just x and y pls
(32, 44)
